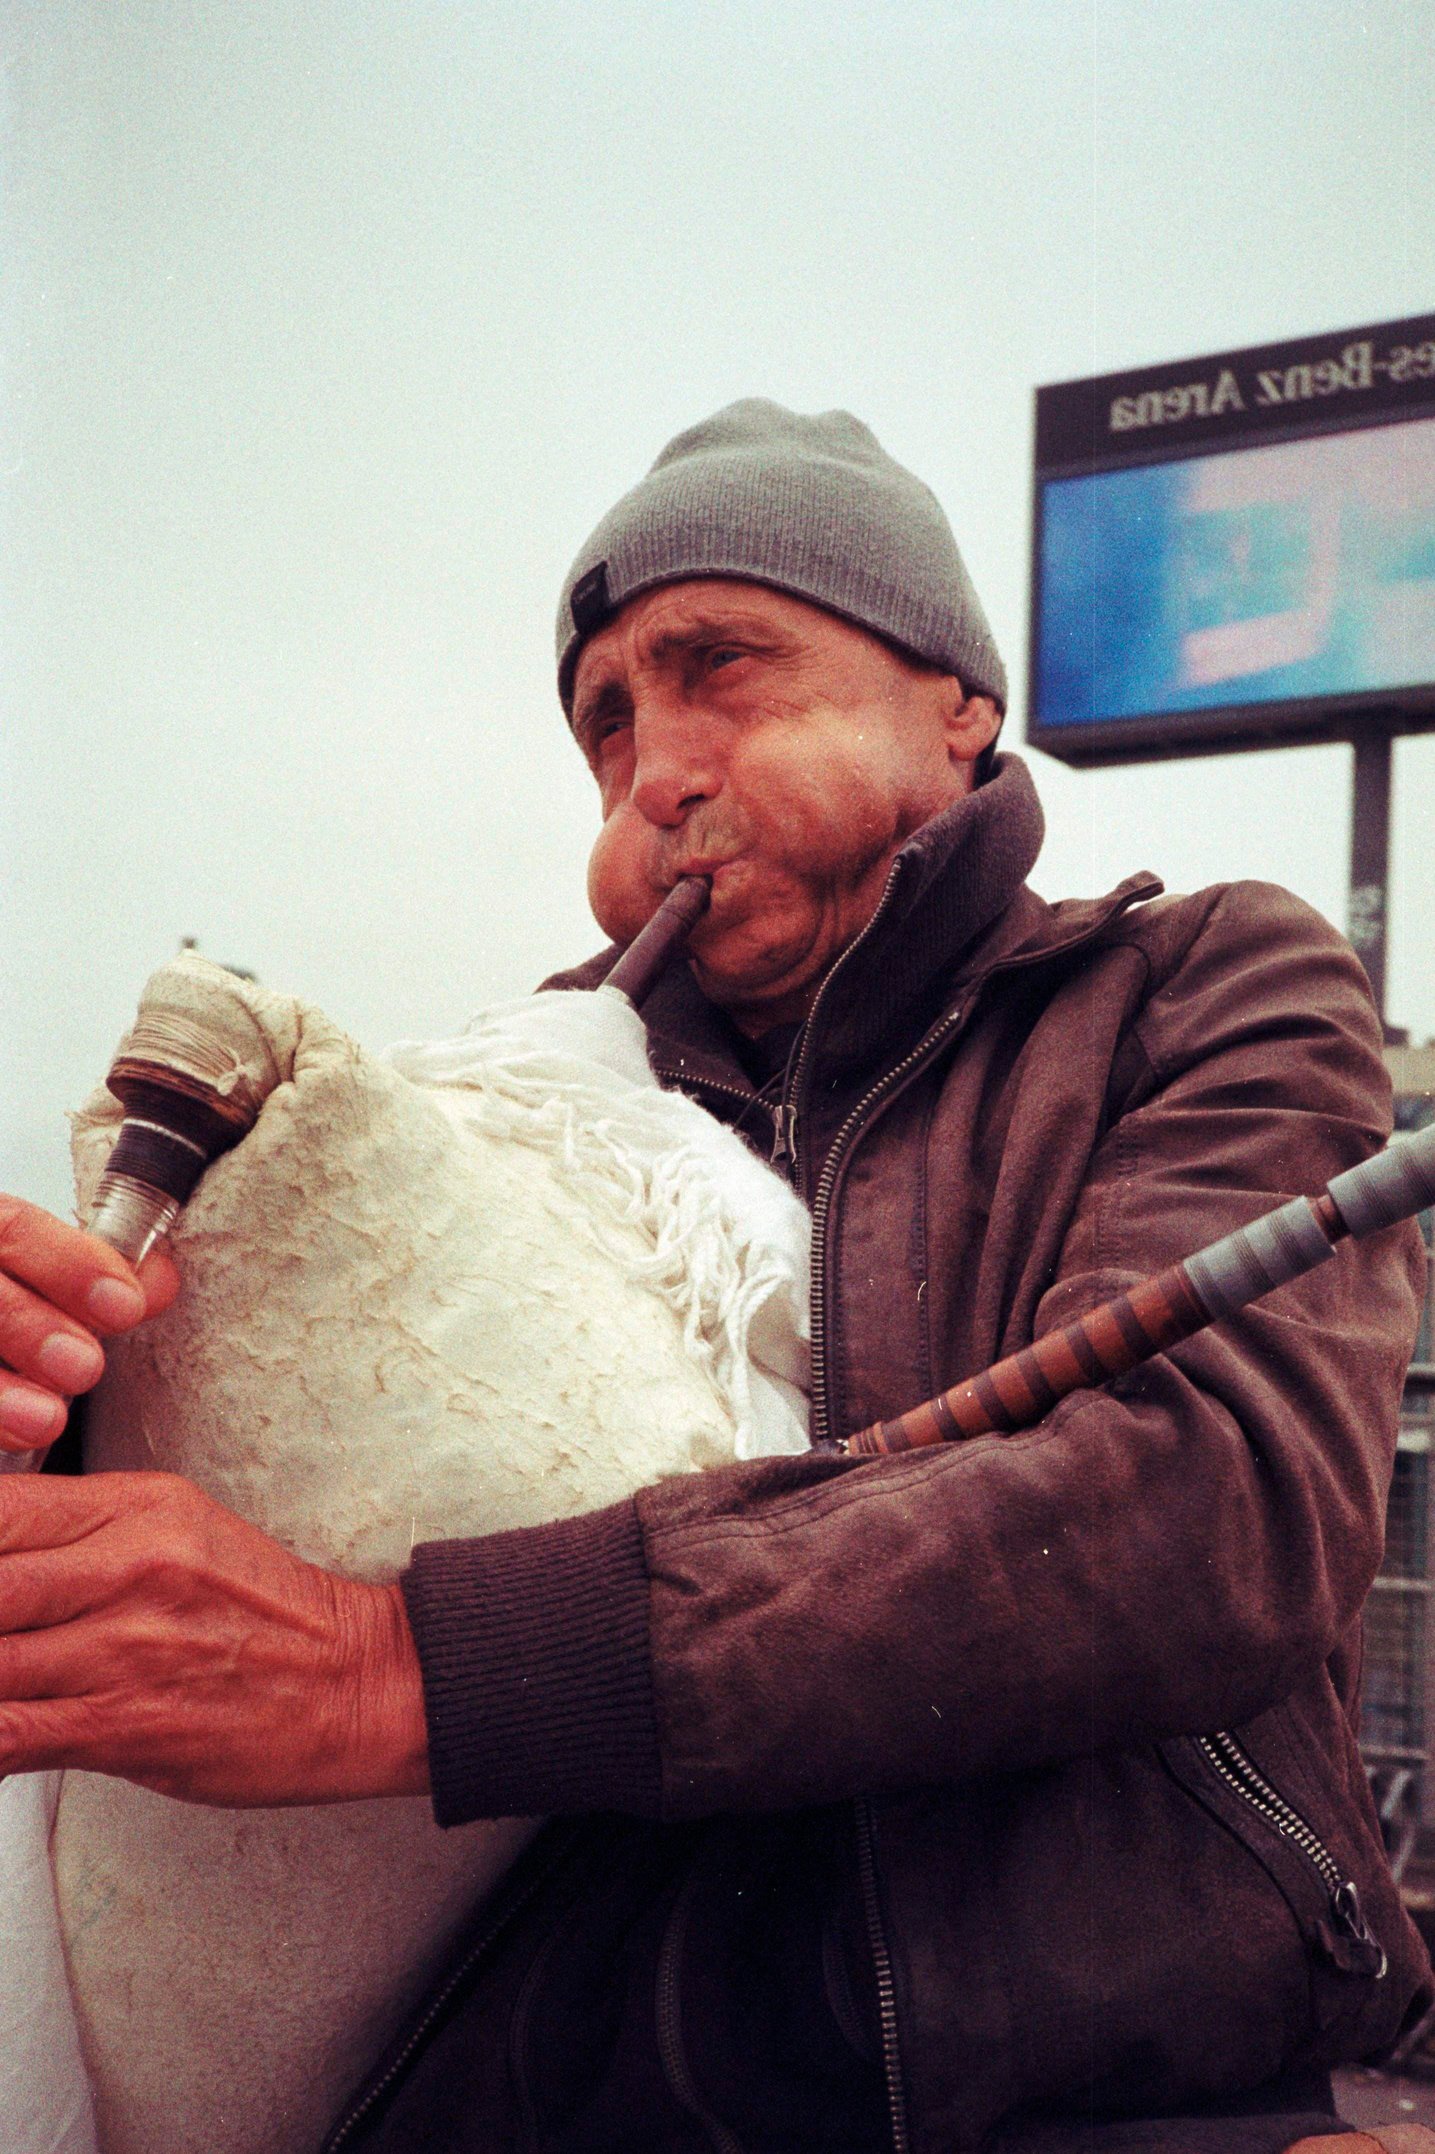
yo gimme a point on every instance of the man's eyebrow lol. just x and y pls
(708, 629)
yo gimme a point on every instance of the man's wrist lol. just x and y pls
(380, 1694)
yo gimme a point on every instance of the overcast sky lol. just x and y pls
(331, 329)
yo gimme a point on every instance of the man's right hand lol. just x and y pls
(61, 1293)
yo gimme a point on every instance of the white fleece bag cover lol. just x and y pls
(44, 2094)
(483, 1284)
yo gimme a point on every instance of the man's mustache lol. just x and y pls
(704, 842)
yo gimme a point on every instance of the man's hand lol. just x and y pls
(146, 1631)
(61, 1293)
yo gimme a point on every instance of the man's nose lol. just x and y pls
(675, 763)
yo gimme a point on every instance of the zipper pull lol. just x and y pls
(784, 1140)
(1350, 1941)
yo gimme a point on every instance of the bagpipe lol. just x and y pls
(478, 1285)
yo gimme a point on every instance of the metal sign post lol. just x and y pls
(1370, 856)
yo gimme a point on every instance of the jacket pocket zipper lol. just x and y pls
(668, 2009)
(882, 1969)
(1347, 1938)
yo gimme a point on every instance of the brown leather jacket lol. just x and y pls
(1088, 1691)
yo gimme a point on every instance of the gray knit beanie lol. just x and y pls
(810, 505)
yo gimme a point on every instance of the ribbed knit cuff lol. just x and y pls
(537, 1685)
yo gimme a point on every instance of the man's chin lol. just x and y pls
(756, 993)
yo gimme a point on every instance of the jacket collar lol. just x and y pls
(955, 908)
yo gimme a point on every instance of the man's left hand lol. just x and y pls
(145, 1631)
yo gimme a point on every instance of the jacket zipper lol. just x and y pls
(787, 1111)
(784, 1135)
(1238, 1771)
(882, 1968)
(670, 2028)
(418, 2034)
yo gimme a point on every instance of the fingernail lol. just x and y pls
(69, 1363)
(115, 1303)
(33, 1419)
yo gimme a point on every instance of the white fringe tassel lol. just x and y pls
(568, 1074)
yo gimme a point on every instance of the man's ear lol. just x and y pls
(971, 724)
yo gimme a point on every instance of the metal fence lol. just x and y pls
(1397, 1724)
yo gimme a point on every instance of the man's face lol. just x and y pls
(738, 733)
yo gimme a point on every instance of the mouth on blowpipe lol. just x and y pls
(661, 942)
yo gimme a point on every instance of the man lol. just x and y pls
(999, 1796)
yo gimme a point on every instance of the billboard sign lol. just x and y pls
(1237, 551)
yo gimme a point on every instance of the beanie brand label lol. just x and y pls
(590, 604)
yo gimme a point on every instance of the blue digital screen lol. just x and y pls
(1255, 575)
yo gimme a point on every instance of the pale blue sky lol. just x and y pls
(332, 328)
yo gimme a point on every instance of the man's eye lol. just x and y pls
(598, 731)
(724, 654)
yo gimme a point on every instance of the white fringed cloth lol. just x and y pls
(475, 1285)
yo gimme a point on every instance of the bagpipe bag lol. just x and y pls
(466, 1287)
